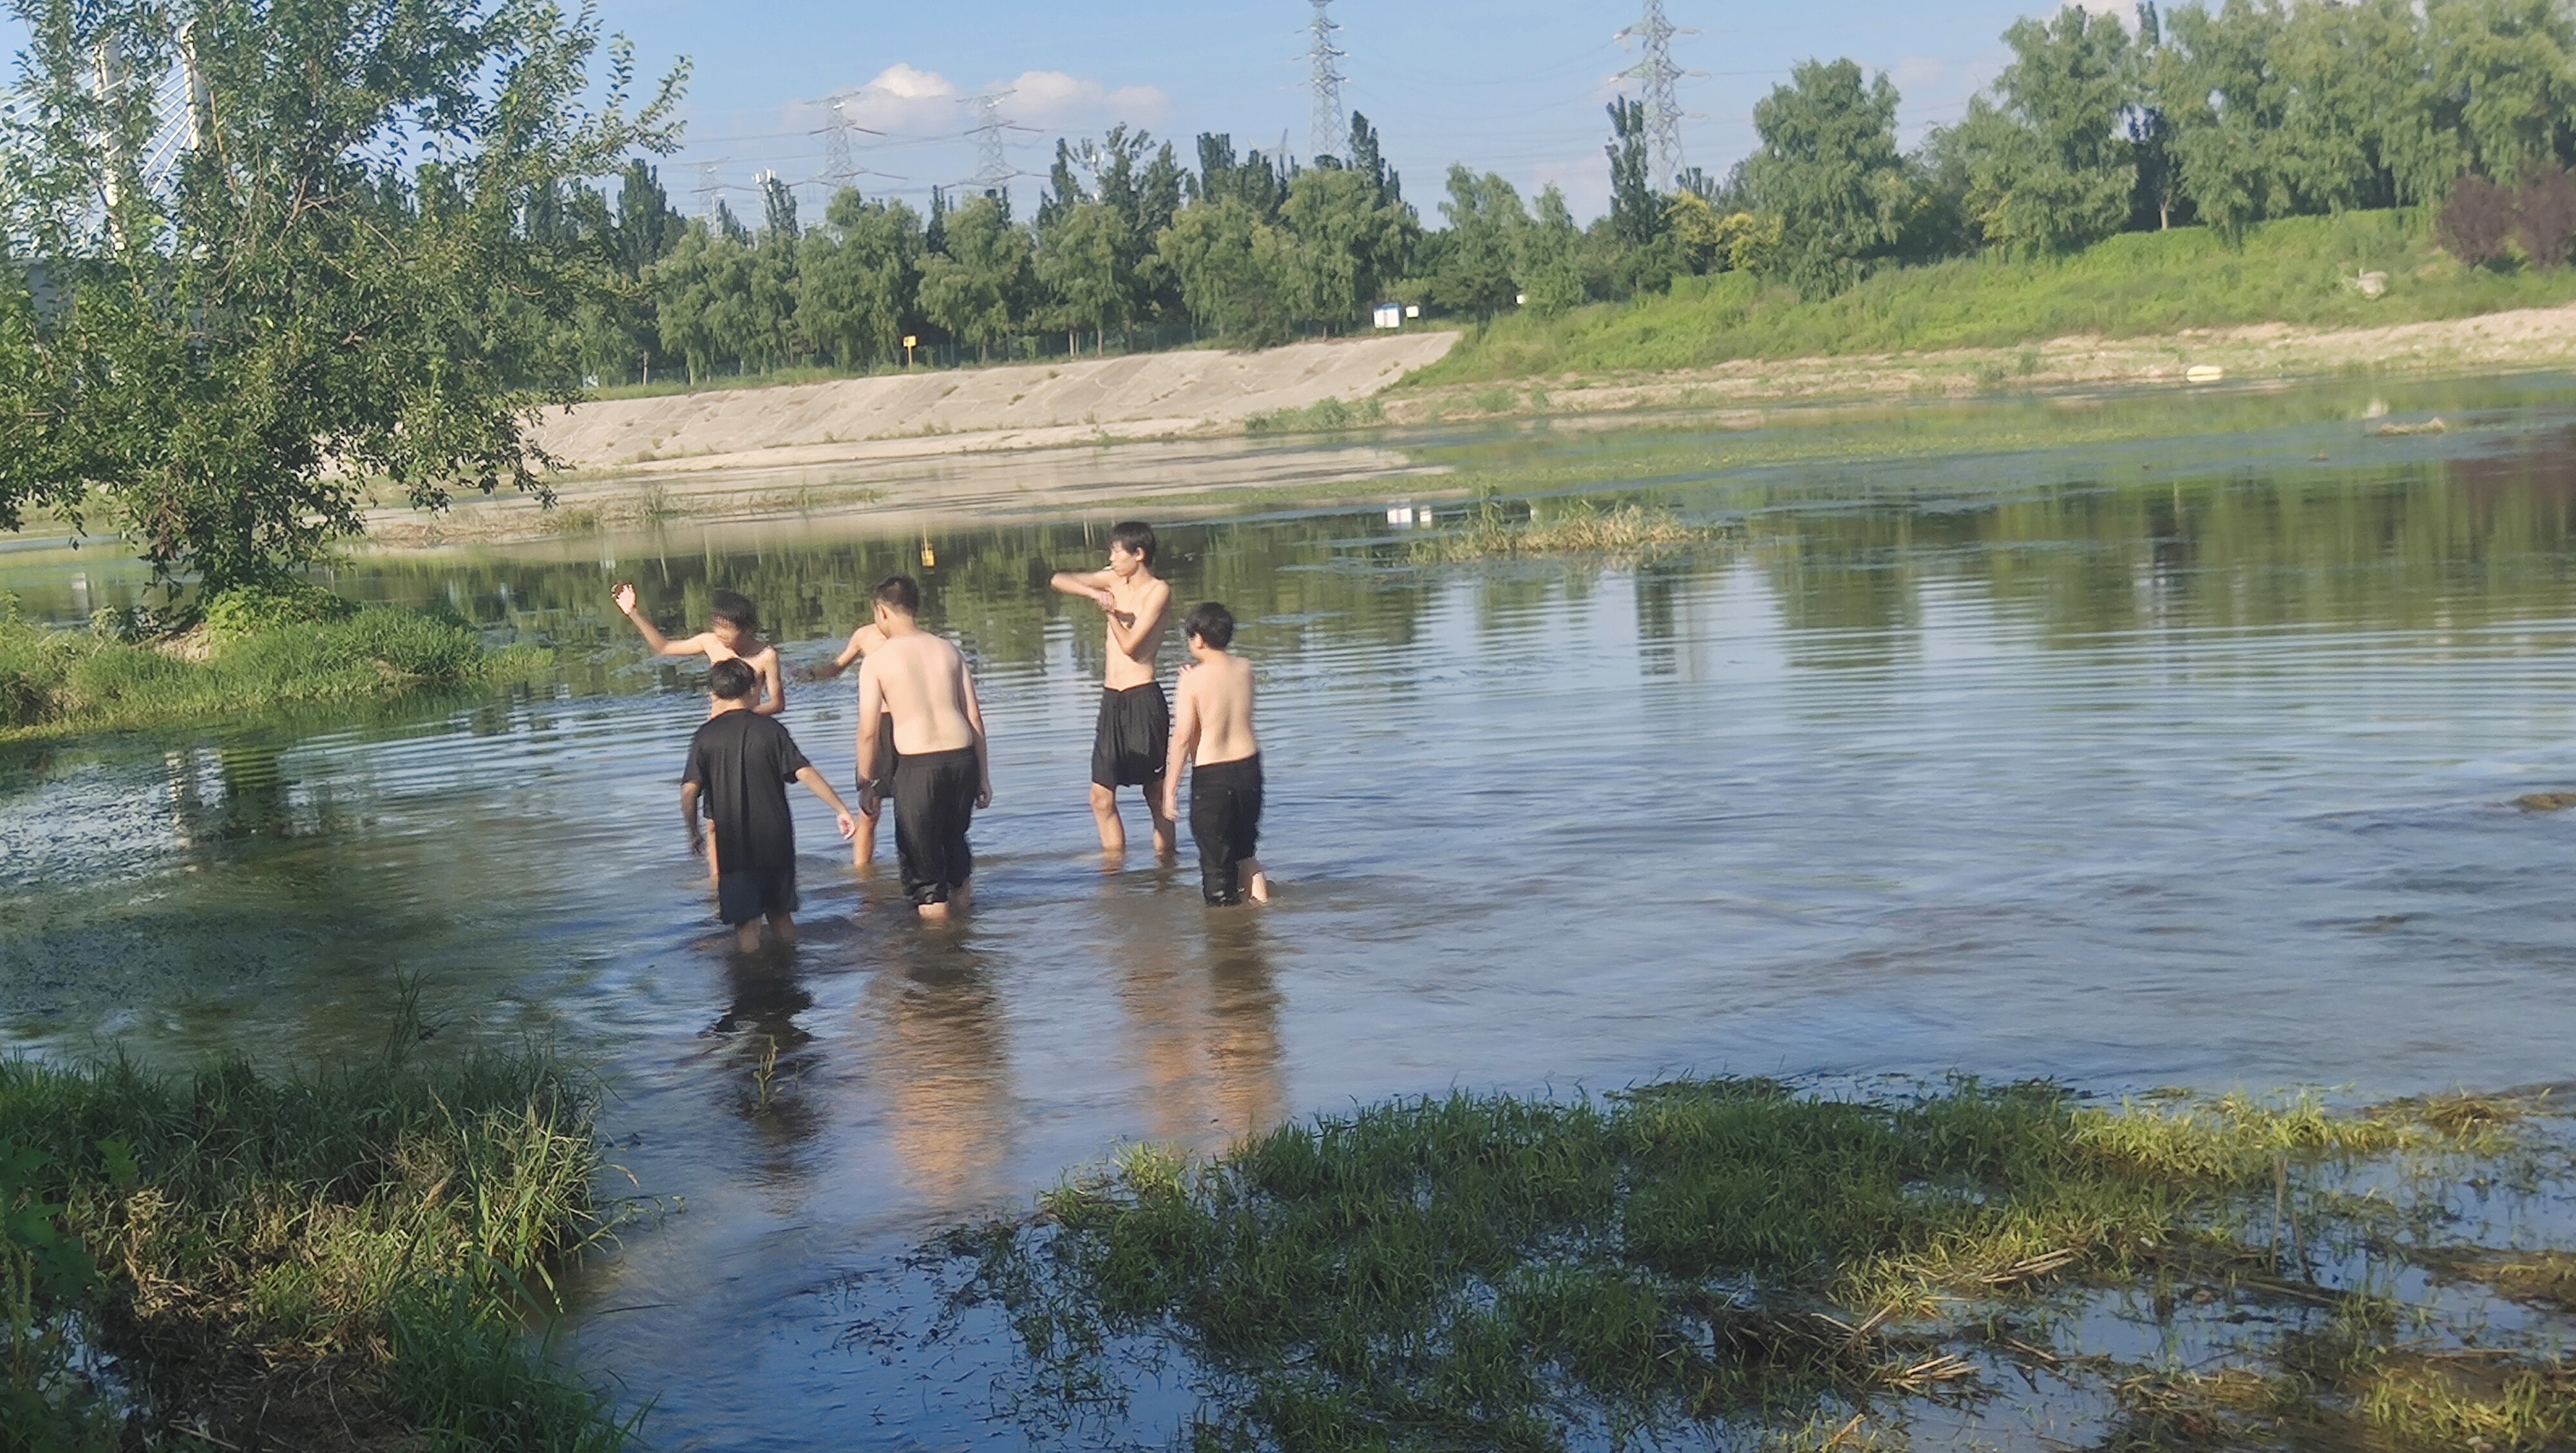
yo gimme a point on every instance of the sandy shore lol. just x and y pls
(1053, 440)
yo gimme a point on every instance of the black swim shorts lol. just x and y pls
(1134, 736)
(1225, 821)
(934, 804)
(747, 893)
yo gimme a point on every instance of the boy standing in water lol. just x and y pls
(740, 763)
(943, 771)
(734, 635)
(1212, 732)
(1135, 731)
(863, 640)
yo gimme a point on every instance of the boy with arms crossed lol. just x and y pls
(943, 771)
(863, 640)
(1212, 733)
(1129, 746)
(740, 763)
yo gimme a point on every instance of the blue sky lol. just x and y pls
(1513, 86)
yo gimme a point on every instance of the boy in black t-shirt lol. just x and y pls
(741, 762)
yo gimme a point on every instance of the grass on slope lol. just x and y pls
(2136, 285)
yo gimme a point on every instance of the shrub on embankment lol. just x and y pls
(254, 652)
(2303, 271)
(342, 1259)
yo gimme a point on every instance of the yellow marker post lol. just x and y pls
(909, 339)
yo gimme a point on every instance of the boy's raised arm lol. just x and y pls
(655, 641)
(1134, 632)
(1091, 585)
(863, 640)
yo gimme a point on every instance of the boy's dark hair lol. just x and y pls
(899, 594)
(735, 609)
(732, 680)
(1136, 535)
(1212, 623)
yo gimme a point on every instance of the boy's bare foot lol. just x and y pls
(935, 912)
(1260, 887)
(746, 939)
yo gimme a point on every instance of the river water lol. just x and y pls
(2135, 746)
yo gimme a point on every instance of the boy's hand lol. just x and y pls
(871, 801)
(1172, 801)
(984, 795)
(697, 841)
(624, 595)
(849, 824)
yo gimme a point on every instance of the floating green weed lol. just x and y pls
(1490, 1271)
(1561, 528)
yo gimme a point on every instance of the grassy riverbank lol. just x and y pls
(1509, 1273)
(344, 1259)
(243, 661)
(2300, 272)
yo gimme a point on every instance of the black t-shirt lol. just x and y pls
(742, 763)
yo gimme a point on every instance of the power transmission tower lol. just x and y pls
(710, 189)
(992, 164)
(1656, 73)
(1331, 132)
(840, 158)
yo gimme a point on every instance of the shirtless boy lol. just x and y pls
(734, 634)
(1212, 734)
(740, 763)
(863, 640)
(1135, 730)
(942, 772)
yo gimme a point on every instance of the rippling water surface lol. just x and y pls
(2143, 759)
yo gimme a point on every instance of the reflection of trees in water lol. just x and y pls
(772, 1071)
(1203, 1015)
(942, 1057)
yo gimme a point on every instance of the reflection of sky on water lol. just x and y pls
(2131, 782)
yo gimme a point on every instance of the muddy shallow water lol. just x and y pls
(2185, 761)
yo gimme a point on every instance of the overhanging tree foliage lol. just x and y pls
(338, 283)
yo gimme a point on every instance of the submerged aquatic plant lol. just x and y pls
(1495, 1272)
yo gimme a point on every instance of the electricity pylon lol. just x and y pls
(1655, 73)
(1330, 133)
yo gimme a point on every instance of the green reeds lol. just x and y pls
(315, 1261)
(1491, 1271)
(1562, 528)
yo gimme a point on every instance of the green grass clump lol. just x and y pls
(347, 1256)
(1323, 417)
(247, 659)
(2138, 284)
(1562, 527)
(1487, 1271)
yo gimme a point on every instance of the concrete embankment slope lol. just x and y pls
(929, 412)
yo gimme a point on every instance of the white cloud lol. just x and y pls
(905, 98)
(1917, 71)
(1047, 96)
(900, 82)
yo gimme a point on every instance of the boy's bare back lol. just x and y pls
(923, 681)
(1215, 697)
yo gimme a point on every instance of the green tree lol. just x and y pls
(1478, 264)
(1084, 262)
(2051, 167)
(1350, 244)
(1829, 169)
(331, 288)
(1548, 257)
(857, 275)
(978, 289)
(2509, 67)
(1233, 270)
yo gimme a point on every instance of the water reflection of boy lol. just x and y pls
(1212, 734)
(1135, 719)
(863, 640)
(943, 770)
(740, 764)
